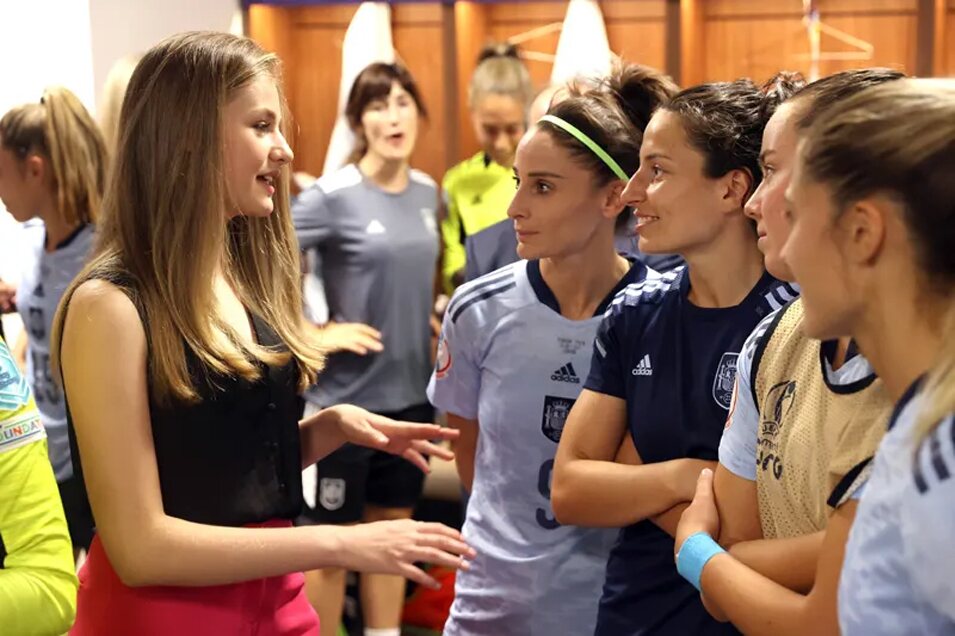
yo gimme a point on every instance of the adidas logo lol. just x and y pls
(565, 374)
(643, 367)
(375, 227)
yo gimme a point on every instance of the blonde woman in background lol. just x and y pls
(183, 352)
(52, 174)
(114, 90)
(478, 190)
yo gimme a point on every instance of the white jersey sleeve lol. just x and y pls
(455, 385)
(738, 445)
(927, 518)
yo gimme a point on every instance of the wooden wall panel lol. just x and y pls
(720, 40)
(317, 35)
(309, 39)
(735, 8)
(417, 33)
(472, 30)
(508, 19)
(311, 48)
(271, 27)
(693, 52)
(636, 31)
(948, 41)
(755, 38)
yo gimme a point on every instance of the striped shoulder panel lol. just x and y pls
(935, 460)
(651, 290)
(765, 328)
(756, 337)
(344, 178)
(483, 288)
(422, 177)
(780, 295)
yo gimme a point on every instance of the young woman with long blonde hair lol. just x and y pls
(182, 352)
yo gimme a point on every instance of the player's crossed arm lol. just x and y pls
(590, 488)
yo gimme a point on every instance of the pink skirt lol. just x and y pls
(275, 606)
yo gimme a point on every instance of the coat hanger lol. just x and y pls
(813, 27)
(532, 34)
(816, 28)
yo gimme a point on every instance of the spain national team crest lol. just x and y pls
(443, 359)
(331, 493)
(725, 379)
(556, 410)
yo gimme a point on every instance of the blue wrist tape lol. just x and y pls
(694, 554)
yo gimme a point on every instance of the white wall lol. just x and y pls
(74, 43)
(42, 42)
(125, 27)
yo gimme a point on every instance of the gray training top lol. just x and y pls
(377, 257)
(45, 279)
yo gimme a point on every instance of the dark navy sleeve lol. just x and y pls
(606, 366)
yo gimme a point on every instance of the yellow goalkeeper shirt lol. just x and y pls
(37, 579)
(477, 193)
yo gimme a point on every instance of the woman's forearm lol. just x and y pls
(183, 553)
(607, 494)
(791, 562)
(318, 438)
(757, 605)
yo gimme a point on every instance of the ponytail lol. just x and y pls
(500, 72)
(77, 154)
(60, 130)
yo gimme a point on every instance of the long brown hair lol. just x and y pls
(898, 138)
(165, 234)
(61, 131)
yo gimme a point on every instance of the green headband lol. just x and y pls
(590, 143)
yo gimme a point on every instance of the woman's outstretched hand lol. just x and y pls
(394, 547)
(413, 441)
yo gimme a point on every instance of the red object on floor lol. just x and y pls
(275, 606)
(429, 608)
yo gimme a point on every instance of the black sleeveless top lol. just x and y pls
(234, 458)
